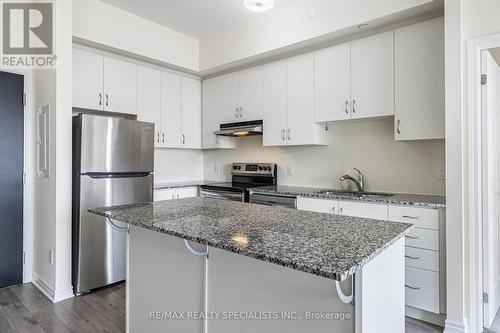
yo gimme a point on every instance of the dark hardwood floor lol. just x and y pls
(25, 309)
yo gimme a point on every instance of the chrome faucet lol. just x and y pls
(360, 182)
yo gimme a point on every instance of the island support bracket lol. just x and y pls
(195, 252)
(346, 299)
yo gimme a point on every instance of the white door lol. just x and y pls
(332, 75)
(210, 112)
(301, 127)
(149, 98)
(491, 186)
(364, 209)
(191, 113)
(186, 192)
(87, 80)
(229, 98)
(274, 103)
(372, 76)
(251, 94)
(419, 85)
(171, 109)
(120, 86)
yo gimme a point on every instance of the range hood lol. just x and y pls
(244, 128)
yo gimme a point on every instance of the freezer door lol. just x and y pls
(110, 145)
(99, 249)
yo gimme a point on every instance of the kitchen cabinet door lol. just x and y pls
(229, 98)
(191, 113)
(332, 75)
(318, 205)
(171, 109)
(419, 86)
(87, 80)
(149, 98)
(301, 127)
(372, 76)
(120, 86)
(186, 192)
(211, 117)
(274, 103)
(251, 94)
(364, 209)
(163, 194)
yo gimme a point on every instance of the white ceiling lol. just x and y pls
(196, 18)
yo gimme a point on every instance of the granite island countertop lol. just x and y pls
(327, 245)
(431, 201)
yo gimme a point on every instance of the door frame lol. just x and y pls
(28, 169)
(475, 166)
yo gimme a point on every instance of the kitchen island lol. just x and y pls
(205, 265)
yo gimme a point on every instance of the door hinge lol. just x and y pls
(24, 257)
(485, 298)
(24, 99)
(24, 178)
(484, 79)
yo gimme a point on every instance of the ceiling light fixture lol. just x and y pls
(258, 5)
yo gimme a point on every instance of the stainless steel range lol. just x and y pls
(244, 176)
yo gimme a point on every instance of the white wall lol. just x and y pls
(172, 165)
(368, 145)
(290, 24)
(100, 23)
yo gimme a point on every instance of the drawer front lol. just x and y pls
(186, 192)
(363, 209)
(422, 289)
(163, 194)
(423, 238)
(318, 205)
(420, 217)
(420, 258)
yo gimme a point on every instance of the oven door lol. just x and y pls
(222, 195)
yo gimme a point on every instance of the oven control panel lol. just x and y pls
(267, 169)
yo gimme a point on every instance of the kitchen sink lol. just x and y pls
(354, 194)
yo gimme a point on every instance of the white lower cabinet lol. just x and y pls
(175, 193)
(423, 253)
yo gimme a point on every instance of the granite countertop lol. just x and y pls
(431, 201)
(189, 183)
(331, 246)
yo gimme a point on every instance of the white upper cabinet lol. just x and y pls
(87, 80)
(332, 75)
(191, 113)
(419, 72)
(274, 103)
(288, 103)
(229, 98)
(212, 117)
(250, 94)
(120, 86)
(104, 83)
(171, 109)
(372, 76)
(149, 99)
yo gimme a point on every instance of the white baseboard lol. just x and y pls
(46, 289)
(429, 317)
(451, 327)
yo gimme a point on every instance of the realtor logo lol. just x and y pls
(28, 34)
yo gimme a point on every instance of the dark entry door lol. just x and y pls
(11, 178)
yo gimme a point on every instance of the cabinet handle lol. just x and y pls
(100, 98)
(236, 112)
(353, 106)
(412, 237)
(173, 197)
(162, 137)
(413, 288)
(341, 211)
(283, 134)
(289, 134)
(414, 258)
(183, 139)
(411, 217)
(241, 112)
(217, 139)
(398, 128)
(158, 137)
(177, 196)
(107, 100)
(333, 210)
(347, 107)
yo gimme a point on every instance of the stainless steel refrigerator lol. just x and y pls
(113, 162)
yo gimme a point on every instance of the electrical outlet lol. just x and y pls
(290, 170)
(217, 168)
(51, 257)
(442, 174)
